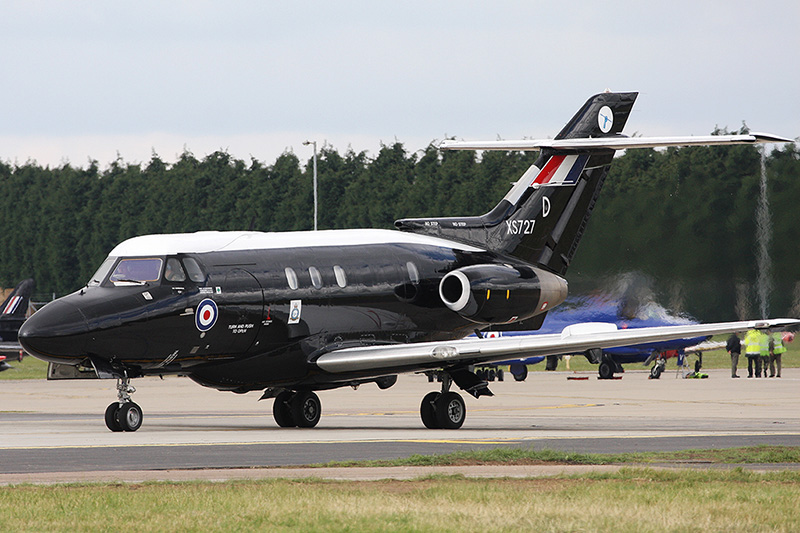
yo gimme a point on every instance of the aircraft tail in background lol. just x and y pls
(14, 309)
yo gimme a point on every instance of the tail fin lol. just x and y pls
(14, 309)
(543, 216)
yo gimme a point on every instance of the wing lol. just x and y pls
(574, 339)
(614, 143)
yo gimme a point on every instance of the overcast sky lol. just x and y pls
(88, 79)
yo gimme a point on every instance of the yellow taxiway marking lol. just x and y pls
(262, 443)
(387, 413)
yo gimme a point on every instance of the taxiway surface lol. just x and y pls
(48, 427)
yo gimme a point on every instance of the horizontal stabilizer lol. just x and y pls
(613, 143)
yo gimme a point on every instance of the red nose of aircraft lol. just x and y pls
(57, 332)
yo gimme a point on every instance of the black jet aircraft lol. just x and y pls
(297, 312)
(13, 312)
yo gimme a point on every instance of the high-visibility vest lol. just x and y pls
(778, 347)
(764, 345)
(752, 342)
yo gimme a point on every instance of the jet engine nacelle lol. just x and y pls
(499, 294)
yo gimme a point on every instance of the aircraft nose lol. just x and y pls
(56, 332)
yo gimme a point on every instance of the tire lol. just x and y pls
(450, 410)
(281, 410)
(500, 374)
(605, 370)
(306, 409)
(655, 372)
(111, 417)
(427, 410)
(521, 375)
(129, 416)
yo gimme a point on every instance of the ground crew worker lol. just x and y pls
(764, 345)
(775, 355)
(734, 347)
(752, 349)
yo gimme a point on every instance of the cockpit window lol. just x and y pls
(98, 277)
(194, 270)
(174, 270)
(136, 271)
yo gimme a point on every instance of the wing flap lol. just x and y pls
(417, 356)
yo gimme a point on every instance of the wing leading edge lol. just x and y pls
(411, 357)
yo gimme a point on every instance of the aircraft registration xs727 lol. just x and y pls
(298, 312)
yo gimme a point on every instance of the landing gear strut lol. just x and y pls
(124, 414)
(443, 410)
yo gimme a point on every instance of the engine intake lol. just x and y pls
(499, 294)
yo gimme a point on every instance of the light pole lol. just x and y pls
(306, 143)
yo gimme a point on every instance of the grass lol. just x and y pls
(522, 456)
(28, 368)
(633, 499)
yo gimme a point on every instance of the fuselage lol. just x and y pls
(247, 310)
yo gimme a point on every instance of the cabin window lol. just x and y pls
(341, 277)
(137, 271)
(316, 277)
(194, 270)
(98, 277)
(291, 278)
(174, 270)
(413, 273)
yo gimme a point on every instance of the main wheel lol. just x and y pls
(427, 410)
(111, 417)
(605, 370)
(450, 410)
(129, 416)
(282, 411)
(521, 373)
(306, 409)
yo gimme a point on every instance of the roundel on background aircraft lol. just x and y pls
(206, 315)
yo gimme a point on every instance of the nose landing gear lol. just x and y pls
(124, 414)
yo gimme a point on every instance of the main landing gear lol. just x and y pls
(443, 410)
(296, 409)
(124, 414)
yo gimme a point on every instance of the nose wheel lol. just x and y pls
(124, 414)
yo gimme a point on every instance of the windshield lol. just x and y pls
(98, 277)
(138, 271)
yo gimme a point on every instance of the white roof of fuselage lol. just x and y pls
(220, 241)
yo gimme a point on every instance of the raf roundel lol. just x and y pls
(206, 315)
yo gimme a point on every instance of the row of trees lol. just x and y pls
(684, 217)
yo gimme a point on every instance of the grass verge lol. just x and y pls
(633, 499)
(522, 456)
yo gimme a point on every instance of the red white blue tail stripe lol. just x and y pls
(561, 170)
(12, 305)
